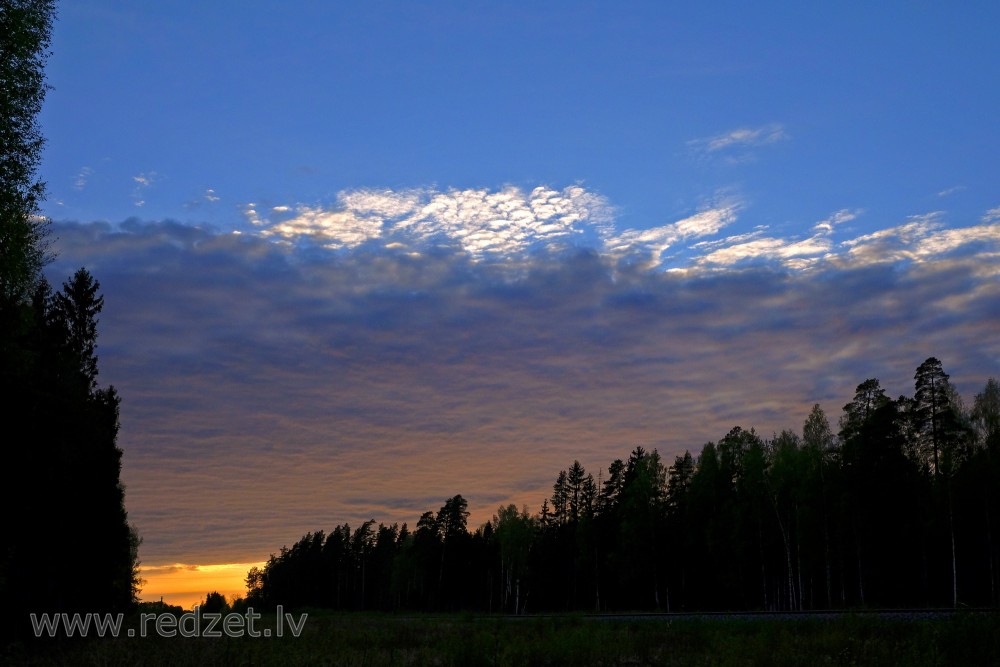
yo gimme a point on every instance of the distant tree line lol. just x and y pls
(65, 544)
(899, 507)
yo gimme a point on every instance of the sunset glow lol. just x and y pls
(186, 585)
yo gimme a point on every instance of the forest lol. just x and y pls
(66, 543)
(896, 508)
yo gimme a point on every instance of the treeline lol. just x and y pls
(61, 460)
(66, 544)
(899, 507)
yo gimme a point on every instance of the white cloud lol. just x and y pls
(917, 227)
(923, 240)
(743, 137)
(656, 241)
(481, 222)
(82, 177)
(838, 218)
(250, 212)
(383, 203)
(947, 240)
(210, 195)
(333, 229)
(510, 224)
(143, 181)
(950, 191)
(797, 255)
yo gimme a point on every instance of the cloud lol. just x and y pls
(208, 198)
(142, 183)
(82, 176)
(654, 243)
(483, 223)
(838, 218)
(294, 377)
(895, 243)
(741, 139)
(792, 254)
(952, 190)
(992, 215)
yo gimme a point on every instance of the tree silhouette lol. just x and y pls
(936, 423)
(514, 532)
(61, 471)
(75, 310)
(798, 521)
(215, 603)
(986, 416)
(25, 26)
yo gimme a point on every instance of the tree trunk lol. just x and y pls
(954, 562)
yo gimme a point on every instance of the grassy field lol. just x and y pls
(372, 640)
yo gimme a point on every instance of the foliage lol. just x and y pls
(25, 26)
(63, 465)
(66, 543)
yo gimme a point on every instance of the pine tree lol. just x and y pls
(936, 422)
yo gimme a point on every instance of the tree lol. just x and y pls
(26, 27)
(214, 603)
(678, 525)
(560, 499)
(514, 533)
(75, 309)
(986, 417)
(984, 469)
(783, 477)
(819, 447)
(816, 432)
(63, 462)
(868, 398)
(641, 530)
(939, 432)
(936, 422)
(453, 518)
(574, 489)
(612, 488)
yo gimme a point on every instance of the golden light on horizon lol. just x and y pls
(187, 585)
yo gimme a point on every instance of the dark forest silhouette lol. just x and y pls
(66, 544)
(899, 508)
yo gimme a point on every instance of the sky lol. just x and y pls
(360, 257)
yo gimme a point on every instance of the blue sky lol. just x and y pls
(876, 108)
(360, 257)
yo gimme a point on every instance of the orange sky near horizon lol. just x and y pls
(187, 585)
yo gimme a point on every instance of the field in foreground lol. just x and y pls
(372, 640)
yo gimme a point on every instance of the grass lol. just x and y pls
(464, 640)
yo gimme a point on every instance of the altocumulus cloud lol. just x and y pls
(371, 358)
